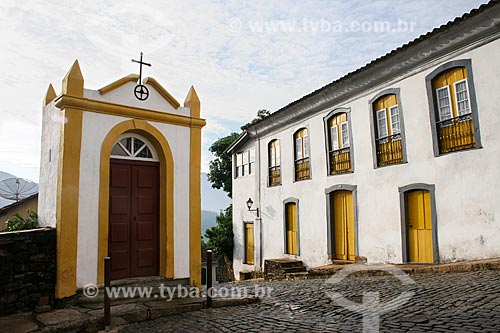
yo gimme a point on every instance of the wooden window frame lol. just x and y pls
(391, 122)
(344, 145)
(304, 158)
(450, 104)
(384, 111)
(246, 168)
(337, 146)
(456, 97)
(274, 164)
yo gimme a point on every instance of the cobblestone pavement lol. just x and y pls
(454, 302)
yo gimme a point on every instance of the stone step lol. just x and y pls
(296, 276)
(278, 269)
(342, 262)
(294, 269)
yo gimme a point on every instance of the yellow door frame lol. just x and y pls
(249, 243)
(292, 236)
(162, 148)
(330, 218)
(403, 192)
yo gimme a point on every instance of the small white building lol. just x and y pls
(395, 162)
(120, 177)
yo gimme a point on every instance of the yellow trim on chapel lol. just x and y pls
(166, 193)
(50, 95)
(193, 102)
(113, 109)
(162, 91)
(149, 80)
(68, 187)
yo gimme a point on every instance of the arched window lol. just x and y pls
(453, 107)
(388, 128)
(338, 133)
(133, 147)
(302, 155)
(274, 163)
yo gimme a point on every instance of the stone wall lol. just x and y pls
(27, 269)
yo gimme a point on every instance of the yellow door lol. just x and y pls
(249, 243)
(419, 222)
(292, 246)
(343, 225)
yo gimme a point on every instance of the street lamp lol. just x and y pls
(250, 204)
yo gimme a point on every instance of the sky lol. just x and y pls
(241, 56)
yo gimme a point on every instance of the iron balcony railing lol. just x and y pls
(275, 176)
(340, 161)
(302, 169)
(456, 134)
(390, 150)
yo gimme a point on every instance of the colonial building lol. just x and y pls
(395, 162)
(120, 176)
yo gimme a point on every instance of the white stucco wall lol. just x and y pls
(52, 120)
(178, 138)
(95, 127)
(124, 95)
(245, 186)
(467, 182)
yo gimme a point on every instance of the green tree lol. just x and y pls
(220, 237)
(220, 168)
(261, 114)
(18, 222)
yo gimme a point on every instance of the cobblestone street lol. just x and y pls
(458, 302)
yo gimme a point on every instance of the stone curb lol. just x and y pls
(77, 320)
(471, 266)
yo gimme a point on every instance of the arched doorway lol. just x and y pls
(343, 225)
(418, 223)
(133, 239)
(342, 222)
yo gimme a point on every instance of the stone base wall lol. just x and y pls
(224, 270)
(27, 269)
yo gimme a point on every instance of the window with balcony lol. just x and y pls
(389, 138)
(302, 155)
(453, 108)
(338, 134)
(274, 163)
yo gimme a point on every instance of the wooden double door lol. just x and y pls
(342, 225)
(133, 238)
(419, 226)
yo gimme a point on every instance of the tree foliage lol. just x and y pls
(18, 222)
(220, 237)
(220, 168)
(261, 114)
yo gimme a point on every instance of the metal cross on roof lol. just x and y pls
(141, 92)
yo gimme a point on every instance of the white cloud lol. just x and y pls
(235, 71)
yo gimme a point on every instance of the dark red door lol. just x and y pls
(133, 218)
